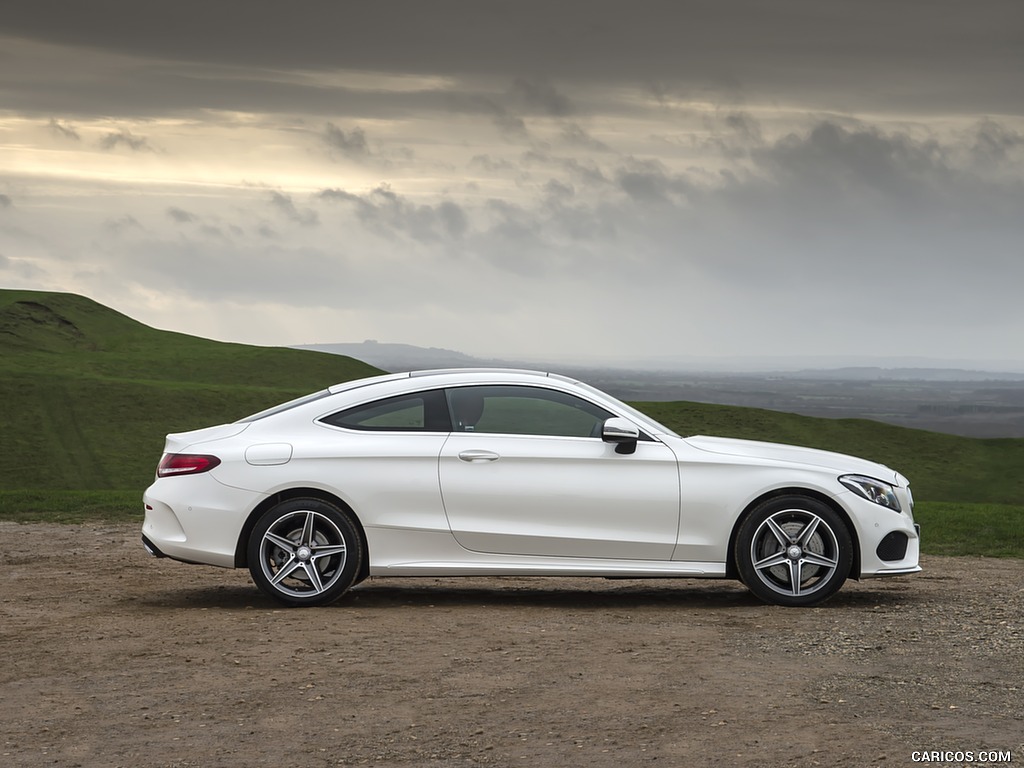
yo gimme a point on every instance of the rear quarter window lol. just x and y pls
(417, 412)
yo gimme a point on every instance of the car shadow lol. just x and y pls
(588, 594)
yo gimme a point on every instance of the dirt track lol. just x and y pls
(111, 658)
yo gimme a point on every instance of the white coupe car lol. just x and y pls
(502, 472)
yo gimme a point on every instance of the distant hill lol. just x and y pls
(61, 333)
(88, 393)
(875, 373)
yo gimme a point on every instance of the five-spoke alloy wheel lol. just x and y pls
(304, 552)
(793, 550)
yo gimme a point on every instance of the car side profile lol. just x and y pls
(505, 472)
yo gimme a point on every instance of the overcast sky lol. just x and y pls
(729, 178)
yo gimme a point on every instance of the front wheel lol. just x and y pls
(793, 551)
(304, 552)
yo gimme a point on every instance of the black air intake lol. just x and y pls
(892, 547)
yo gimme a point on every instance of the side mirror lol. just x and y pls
(622, 432)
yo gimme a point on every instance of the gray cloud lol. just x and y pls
(122, 224)
(575, 136)
(5, 201)
(834, 177)
(351, 144)
(854, 217)
(947, 52)
(180, 216)
(387, 213)
(541, 96)
(283, 204)
(125, 138)
(214, 232)
(838, 238)
(994, 143)
(338, 194)
(508, 124)
(64, 130)
(650, 182)
(584, 172)
(557, 191)
(490, 164)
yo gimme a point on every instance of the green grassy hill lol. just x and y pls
(88, 393)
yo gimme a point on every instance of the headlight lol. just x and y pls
(872, 490)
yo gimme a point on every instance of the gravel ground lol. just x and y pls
(111, 658)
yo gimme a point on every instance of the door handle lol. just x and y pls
(476, 456)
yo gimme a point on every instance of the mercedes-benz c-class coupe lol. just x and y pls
(503, 472)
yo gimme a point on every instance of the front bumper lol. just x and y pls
(890, 542)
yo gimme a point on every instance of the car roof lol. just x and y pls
(454, 376)
(398, 383)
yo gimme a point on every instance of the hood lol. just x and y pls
(180, 441)
(752, 449)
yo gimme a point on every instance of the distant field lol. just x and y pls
(88, 395)
(989, 530)
(71, 506)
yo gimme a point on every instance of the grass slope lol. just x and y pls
(88, 393)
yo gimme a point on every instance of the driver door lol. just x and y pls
(525, 472)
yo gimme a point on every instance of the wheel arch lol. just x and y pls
(241, 559)
(730, 564)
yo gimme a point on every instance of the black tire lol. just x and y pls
(794, 551)
(305, 552)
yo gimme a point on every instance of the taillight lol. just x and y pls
(185, 464)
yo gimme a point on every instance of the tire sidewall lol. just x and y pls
(353, 554)
(762, 512)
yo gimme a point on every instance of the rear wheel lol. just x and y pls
(304, 552)
(793, 551)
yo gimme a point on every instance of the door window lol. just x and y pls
(518, 410)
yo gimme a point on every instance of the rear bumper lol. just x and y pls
(195, 519)
(151, 548)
